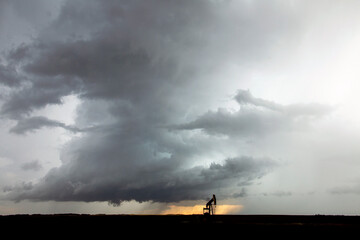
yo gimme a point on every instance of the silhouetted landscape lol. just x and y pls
(156, 106)
(258, 224)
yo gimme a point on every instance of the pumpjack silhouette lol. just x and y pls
(209, 209)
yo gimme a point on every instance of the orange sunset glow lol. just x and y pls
(198, 209)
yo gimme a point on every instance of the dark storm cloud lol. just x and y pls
(160, 182)
(262, 118)
(34, 123)
(126, 50)
(8, 76)
(139, 66)
(37, 93)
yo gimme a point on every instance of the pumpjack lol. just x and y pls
(209, 209)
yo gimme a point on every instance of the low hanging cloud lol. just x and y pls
(261, 118)
(161, 182)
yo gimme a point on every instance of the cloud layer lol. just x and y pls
(256, 117)
(139, 68)
(34, 123)
(160, 181)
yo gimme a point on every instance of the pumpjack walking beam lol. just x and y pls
(209, 209)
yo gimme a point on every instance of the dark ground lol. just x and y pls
(182, 225)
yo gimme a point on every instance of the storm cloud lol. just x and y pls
(139, 67)
(35, 123)
(161, 182)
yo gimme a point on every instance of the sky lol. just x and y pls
(150, 107)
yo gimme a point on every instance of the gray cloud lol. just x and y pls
(261, 118)
(160, 182)
(31, 166)
(107, 52)
(33, 123)
(137, 68)
(37, 94)
(8, 76)
(244, 97)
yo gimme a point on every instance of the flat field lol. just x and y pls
(241, 225)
